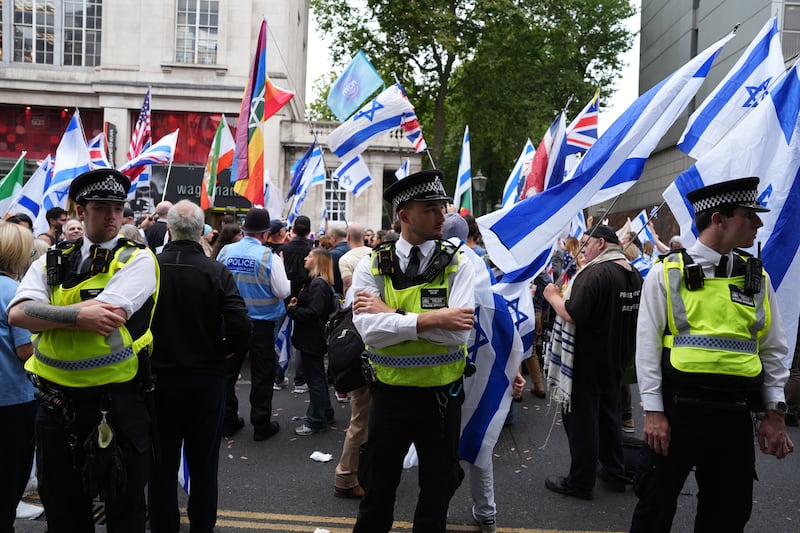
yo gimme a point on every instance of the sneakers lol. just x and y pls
(628, 426)
(281, 385)
(487, 523)
(300, 389)
(342, 397)
(306, 430)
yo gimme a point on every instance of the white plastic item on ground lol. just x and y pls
(320, 530)
(321, 457)
(26, 511)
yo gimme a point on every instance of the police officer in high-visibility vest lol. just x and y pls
(90, 304)
(414, 309)
(709, 351)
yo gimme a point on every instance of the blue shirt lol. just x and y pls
(15, 388)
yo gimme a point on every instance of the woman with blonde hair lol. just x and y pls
(310, 310)
(17, 404)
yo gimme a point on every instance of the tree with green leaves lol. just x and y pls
(505, 67)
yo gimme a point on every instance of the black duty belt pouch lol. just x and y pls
(104, 471)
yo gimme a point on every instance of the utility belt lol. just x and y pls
(53, 396)
(709, 400)
(104, 470)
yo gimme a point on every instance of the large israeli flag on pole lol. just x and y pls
(496, 350)
(72, 160)
(765, 144)
(740, 91)
(609, 168)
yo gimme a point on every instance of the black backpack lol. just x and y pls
(345, 347)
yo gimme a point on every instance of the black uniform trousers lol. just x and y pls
(16, 458)
(190, 409)
(263, 363)
(718, 444)
(594, 433)
(67, 505)
(430, 417)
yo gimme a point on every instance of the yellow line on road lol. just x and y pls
(334, 524)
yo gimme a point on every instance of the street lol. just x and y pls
(275, 486)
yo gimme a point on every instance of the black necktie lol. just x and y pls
(86, 264)
(722, 268)
(413, 263)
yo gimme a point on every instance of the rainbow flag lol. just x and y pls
(261, 100)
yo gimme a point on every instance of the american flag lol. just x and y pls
(97, 152)
(141, 133)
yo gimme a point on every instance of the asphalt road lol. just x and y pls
(275, 486)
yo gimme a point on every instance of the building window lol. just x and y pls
(53, 32)
(790, 36)
(34, 31)
(83, 22)
(335, 199)
(196, 32)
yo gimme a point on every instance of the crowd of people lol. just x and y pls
(102, 383)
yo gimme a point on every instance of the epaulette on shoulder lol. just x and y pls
(67, 247)
(663, 256)
(389, 245)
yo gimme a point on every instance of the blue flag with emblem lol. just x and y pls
(356, 83)
(765, 144)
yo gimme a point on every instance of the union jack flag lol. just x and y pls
(160, 153)
(141, 133)
(582, 132)
(411, 127)
(97, 152)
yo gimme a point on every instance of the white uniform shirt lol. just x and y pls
(129, 291)
(653, 321)
(386, 329)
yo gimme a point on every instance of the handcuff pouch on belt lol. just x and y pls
(104, 470)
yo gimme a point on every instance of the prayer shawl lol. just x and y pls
(560, 353)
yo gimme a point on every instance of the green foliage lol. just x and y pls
(318, 109)
(505, 67)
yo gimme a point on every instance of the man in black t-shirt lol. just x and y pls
(600, 308)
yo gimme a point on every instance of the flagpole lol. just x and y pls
(653, 214)
(166, 181)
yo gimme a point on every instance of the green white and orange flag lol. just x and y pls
(11, 185)
(262, 99)
(220, 157)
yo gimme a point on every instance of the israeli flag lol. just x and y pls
(29, 200)
(313, 175)
(354, 176)
(283, 343)
(765, 144)
(495, 349)
(609, 168)
(518, 174)
(462, 199)
(383, 113)
(639, 226)
(72, 160)
(740, 91)
(404, 170)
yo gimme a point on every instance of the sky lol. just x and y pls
(627, 84)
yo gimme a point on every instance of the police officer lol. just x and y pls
(262, 282)
(90, 303)
(709, 349)
(414, 309)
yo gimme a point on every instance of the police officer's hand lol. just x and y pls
(772, 437)
(657, 432)
(366, 302)
(448, 318)
(99, 317)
